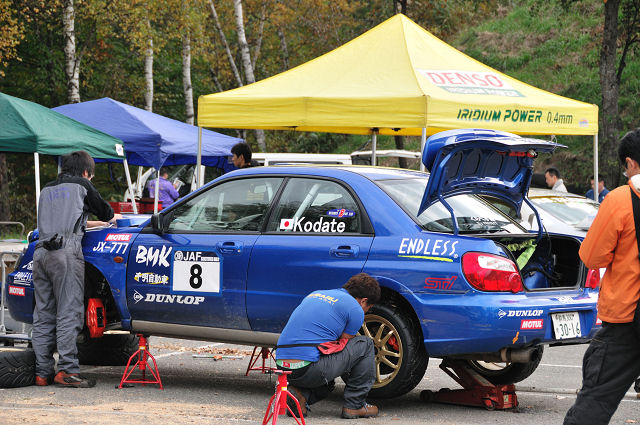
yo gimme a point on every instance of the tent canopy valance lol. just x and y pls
(396, 79)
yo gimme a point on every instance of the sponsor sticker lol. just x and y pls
(153, 256)
(428, 249)
(439, 282)
(519, 313)
(151, 278)
(341, 213)
(526, 324)
(23, 277)
(16, 290)
(167, 298)
(321, 226)
(598, 321)
(29, 265)
(111, 247)
(118, 237)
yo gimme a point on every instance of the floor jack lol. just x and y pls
(278, 402)
(264, 353)
(142, 364)
(477, 391)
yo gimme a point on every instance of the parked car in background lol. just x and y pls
(460, 279)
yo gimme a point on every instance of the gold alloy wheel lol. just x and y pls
(388, 348)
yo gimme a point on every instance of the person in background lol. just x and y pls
(610, 364)
(602, 190)
(167, 192)
(554, 182)
(332, 316)
(241, 155)
(58, 269)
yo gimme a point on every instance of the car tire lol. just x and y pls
(17, 367)
(507, 373)
(401, 358)
(109, 350)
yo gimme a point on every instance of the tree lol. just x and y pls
(72, 62)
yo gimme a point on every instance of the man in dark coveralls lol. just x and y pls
(58, 269)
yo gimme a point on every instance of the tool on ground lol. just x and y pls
(142, 363)
(215, 357)
(477, 391)
(278, 402)
(264, 353)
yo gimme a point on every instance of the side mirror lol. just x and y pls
(158, 224)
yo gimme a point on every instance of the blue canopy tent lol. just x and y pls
(150, 139)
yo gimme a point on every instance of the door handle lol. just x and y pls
(229, 247)
(344, 251)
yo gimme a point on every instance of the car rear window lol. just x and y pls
(472, 214)
(568, 209)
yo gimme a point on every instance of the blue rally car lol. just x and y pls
(460, 279)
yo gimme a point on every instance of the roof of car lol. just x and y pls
(372, 173)
(535, 192)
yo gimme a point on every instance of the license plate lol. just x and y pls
(566, 325)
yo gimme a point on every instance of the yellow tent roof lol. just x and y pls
(398, 78)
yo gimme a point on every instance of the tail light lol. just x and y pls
(488, 272)
(593, 279)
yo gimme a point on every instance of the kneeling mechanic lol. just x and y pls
(319, 343)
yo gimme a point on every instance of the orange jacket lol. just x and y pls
(611, 243)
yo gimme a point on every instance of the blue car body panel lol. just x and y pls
(252, 280)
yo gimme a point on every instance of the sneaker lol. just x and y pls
(43, 382)
(301, 399)
(366, 411)
(73, 380)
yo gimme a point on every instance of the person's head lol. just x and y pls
(600, 182)
(551, 176)
(164, 172)
(364, 289)
(629, 152)
(241, 154)
(79, 164)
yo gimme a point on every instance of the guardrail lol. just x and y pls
(11, 223)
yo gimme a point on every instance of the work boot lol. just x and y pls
(366, 411)
(73, 380)
(43, 382)
(301, 399)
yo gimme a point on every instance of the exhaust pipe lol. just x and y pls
(509, 355)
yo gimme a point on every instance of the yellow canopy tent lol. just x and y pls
(396, 79)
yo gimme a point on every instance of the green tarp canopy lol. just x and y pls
(28, 127)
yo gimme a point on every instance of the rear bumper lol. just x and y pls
(478, 322)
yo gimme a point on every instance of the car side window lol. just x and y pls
(315, 206)
(230, 206)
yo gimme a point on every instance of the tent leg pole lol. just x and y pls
(139, 180)
(374, 142)
(199, 159)
(595, 167)
(130, 186)
(36, 161)
(423, 142)
(157, 189)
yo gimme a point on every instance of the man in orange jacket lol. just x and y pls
(611, 363)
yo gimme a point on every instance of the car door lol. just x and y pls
(317, 237)
(196, 272)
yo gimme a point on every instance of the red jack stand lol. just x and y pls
(477, 390)
(142, 364)
(265, 353)
(280, 406)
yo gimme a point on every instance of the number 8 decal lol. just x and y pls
(196, 276)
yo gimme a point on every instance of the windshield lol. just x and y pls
(574, 211)
(472, 214)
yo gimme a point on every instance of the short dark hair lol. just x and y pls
(163, 171)
(553, 171)
(242, 149)
(600, 177)
(363, 286)
(76, 163)
(630, 146)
